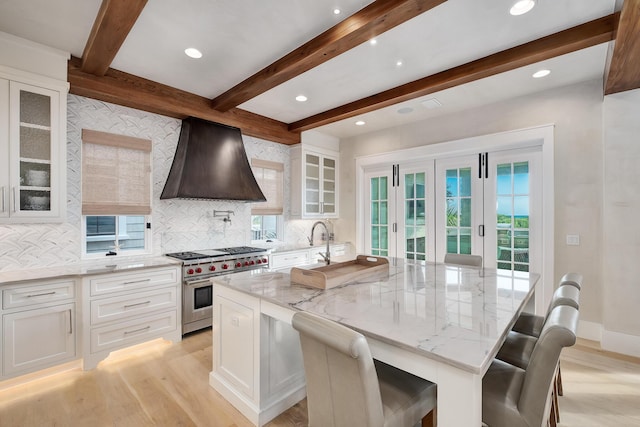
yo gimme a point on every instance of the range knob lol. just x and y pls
(198, 270)
(251, 262)
(259, 261)
(265, 261)
(238, 264)
(212, 268)
(246, 263)
(225, 266)
(190, 271)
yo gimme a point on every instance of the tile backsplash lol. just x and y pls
(177, 224)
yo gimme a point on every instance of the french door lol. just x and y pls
(487, 204)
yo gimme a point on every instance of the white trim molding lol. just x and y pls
(590, 330)
(620, 343)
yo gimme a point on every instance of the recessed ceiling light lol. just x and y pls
(431, 103)
(373, 42)
(360, 123)
(399, 63)
(521, 7)
(541, 73)
(192, 52)
(336, 11)
(301, 98)
(405, 110)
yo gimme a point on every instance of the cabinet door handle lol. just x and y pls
(137, 330)
(14, 199)
(136, 304)
(40, 295)
(70, 323)
(3, 195)
(136, 281)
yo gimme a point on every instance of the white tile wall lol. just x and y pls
(177, 224)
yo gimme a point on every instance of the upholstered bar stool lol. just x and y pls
(346, 388)
(516, 397)
(462, 259)
(531, 324)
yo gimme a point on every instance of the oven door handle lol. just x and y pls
(196, 282)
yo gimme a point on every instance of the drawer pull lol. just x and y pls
(40, 295)
(136, 281)
(137, 330)
(136, 304)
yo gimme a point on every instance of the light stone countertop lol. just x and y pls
(86, 268)
(458, 315)
(278, 248)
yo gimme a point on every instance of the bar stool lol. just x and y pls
(346, 388)
(521, 340)
(463, 259)
(516, 397)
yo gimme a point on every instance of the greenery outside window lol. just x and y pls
(266, 217)
(116, 194)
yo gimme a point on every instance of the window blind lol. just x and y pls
(270, 177)
(116, 174)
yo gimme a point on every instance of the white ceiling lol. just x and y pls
(238, 38)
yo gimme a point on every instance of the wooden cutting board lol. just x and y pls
(332, 275)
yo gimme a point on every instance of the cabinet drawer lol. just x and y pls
(115, 282)
(38, 294)
(121, 307)
(133, 331)
(290, 259)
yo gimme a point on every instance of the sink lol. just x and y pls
(332, 275)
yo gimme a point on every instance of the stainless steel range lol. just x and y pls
(199, 266)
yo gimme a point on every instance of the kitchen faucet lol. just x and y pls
(327, 256)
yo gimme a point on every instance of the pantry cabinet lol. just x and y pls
(314, 182)
(32, 149)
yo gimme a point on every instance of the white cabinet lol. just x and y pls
(257, 361)
(290, 259)
(32, 150)
(314, 183)
(38, 326)
(123, 309)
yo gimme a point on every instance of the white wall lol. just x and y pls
(576, 112)
(621, 231)
(177, 225)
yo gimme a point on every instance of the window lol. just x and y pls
(116, 193)
(266, 217)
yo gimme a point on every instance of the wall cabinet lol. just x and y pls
(32, 151)
(38, 326)
(314, 183)
(123, 309)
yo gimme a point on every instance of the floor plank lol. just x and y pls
(166, 384)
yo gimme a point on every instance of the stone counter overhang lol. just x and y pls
(454, 314)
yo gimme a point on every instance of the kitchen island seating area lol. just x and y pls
(345, 387)
(516, 397)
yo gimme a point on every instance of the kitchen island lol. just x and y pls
(441, 322)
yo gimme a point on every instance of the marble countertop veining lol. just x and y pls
(85, 268)
(457, 315)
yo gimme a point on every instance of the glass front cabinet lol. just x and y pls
(33, 153)
(314, 183)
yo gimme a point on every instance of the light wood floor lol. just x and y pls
(164, 384)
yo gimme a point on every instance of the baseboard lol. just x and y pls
(621, 343)
(590, 330)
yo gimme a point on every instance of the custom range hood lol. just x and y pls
(210, 163)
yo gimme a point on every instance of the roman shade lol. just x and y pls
(116, 174)
(270, 178)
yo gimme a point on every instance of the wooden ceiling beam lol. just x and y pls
(369, 22)
(580, 37)
(131, 91)
(623, 70)
(111, 27)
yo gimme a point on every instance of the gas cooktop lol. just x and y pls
(208, 253)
